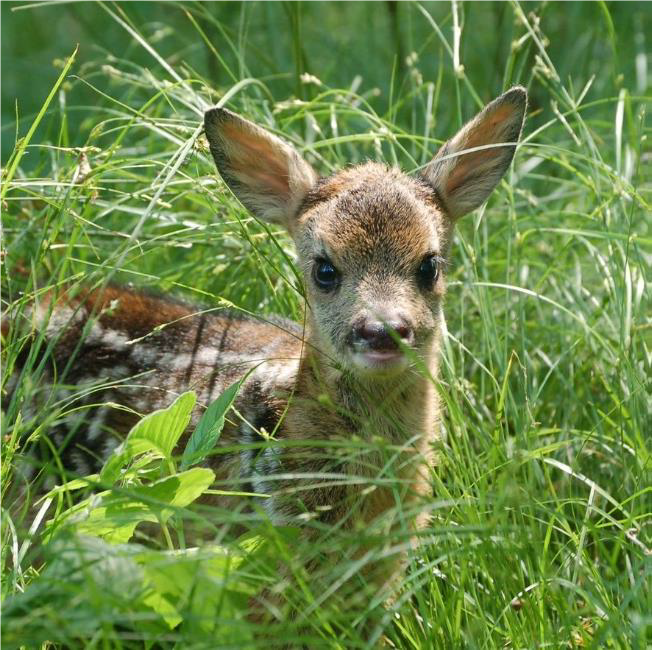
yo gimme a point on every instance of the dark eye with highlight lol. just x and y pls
(428, 271)
(325, 275)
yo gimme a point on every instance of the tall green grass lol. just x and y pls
(539, 533)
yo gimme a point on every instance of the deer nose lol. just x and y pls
(382, 336)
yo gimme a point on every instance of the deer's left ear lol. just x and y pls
(268, 175)
(464, 180)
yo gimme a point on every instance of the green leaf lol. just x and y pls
(113, 516)
(157, 433)
(203, 585)
(177, 491)
(161, 604)
(71, 486)
(160, 431)
(209, 428)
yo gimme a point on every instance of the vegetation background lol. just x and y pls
(540, 528)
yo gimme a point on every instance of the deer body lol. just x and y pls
(206, 353)
(372, 244)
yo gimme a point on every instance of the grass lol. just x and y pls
(540, 521)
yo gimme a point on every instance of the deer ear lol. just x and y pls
(267, 175)
(464, 180)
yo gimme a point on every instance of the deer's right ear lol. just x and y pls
(267, 175)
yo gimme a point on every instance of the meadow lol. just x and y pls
(540, 530)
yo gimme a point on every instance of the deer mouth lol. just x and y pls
(379, 361)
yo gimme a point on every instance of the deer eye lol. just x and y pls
(428, 271)
(325, 275)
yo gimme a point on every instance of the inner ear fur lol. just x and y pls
(267, 175)
(462, 180)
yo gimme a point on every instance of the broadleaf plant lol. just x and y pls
(142, 482)
(210, 426)
(156, 434)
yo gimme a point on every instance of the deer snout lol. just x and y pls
(382, 336)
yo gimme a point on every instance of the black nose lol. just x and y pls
(376, 335)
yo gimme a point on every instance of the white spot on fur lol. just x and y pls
(256, 465)
(146, 355)
(55, 322)
(96, 426)
(81, 465)
(119, 372)
(109, 447)
(98, 335)
(115, 340)
(273, 374)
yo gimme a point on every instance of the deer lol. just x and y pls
(373, 245)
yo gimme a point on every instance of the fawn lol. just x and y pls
(372, 243)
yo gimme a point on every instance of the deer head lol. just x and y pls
(372, 241)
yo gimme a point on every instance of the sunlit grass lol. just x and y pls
(539, 532)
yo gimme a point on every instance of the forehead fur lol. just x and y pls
(373, 209)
